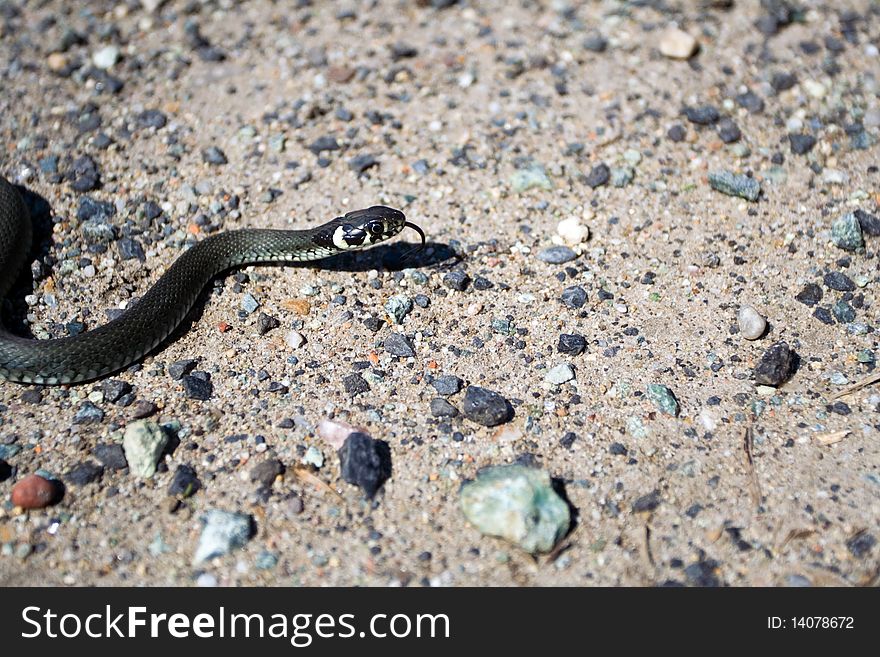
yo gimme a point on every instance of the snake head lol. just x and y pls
(362, 228)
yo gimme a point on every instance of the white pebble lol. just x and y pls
(677, 44)
(295, 339)
(105, 57)
(572, 231)
(559, 374)
(751, 324)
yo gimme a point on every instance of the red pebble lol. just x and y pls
(223, 326)
(34, 492)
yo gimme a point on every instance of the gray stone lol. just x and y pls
(846, 233)
(399, 345)
(486, 407)
(751, 324)
(732, 184)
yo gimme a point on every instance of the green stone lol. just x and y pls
(663, 399)
(518, 504)
(530, 178)
(143, 444)
(846, 233)
(732, 184)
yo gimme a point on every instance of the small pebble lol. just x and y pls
(732, 184)
(573, 345)
(556, 255)
(486, 407)
(399, 345)
(846, 233)
(560, 374)
(662, 398)
(751, 324)
(677, 44)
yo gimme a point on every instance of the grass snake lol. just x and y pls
(153, 317)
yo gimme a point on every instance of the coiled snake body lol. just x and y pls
(162, 308)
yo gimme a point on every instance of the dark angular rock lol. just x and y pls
(447, 384)
(151, 118)
(361, 163)
(130, 249)
(486, 407)
(266, 323)
(88, 413)
(185, 482)
(355, 384)
(752, 102)
(869, 223)
(573, 344)
(861, 544)
(84, 473)
(196, 387)
(574, 296)
(178, 368)
(323, 144)
(442, 408)
(647, 502)
(776, 365)
(824, 315)
(801, 144)
(457, 280)
(265, 472)
(729, 131)
(365, 462)
(399, 345)
(113, 389)
(89, 208)
(810, 295)
(598, 176)
(839, 281)
(112, 456)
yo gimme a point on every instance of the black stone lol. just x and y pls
(776, 365)
(185, 482)
(196, 387)
(486, 407)
(265, 472)
(783, 81)
(151, 118)
(361, 163)
(89, 208)
(130, 249)
(870, 224)
(618, 449)
(399, 345)
(402, 50)
(568, 440)
(810, 295)
(729, 131)
(84, 473)
(705, 115)
(824, 315)
(355, 384)
(113, 389)
(84, 174)
(677, 133)
(647, 502)
(447, 384)
(457, 280)
(598, 176)
(482, 284)
(839, 281)
(152, 210)
(574, 296)
(801, 144)
(442, 408)
(324, 143)
(365, 462)
(178, 368)
(88, 413)
(751, 102)
(112, 456)
(573, 345)
(266, 323)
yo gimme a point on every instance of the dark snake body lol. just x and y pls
(149, 321)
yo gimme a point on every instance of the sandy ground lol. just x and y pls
(487, 89)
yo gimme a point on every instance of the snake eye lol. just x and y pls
(375, 228)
